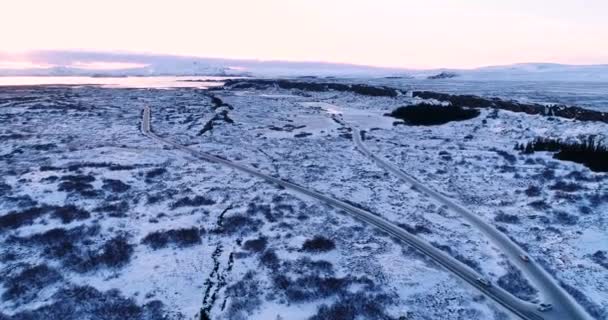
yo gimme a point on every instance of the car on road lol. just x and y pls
(544, 307)
(484, 282)
(525, 258)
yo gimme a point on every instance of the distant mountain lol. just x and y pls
(57, 63)
(103, 64)
(523, 72)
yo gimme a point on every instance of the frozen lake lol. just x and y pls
(118, 82)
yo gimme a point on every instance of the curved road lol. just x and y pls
(564, 306)
(520, 308)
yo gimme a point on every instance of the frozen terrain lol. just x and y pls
(93, 210)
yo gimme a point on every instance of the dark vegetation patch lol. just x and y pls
(78, 166)
(117, 209)
(76, 303)
(566, 186)
(539, 205)
(506, 218)
(256, 245)
(269, 259)
(362, 89)
(507, 156)
(195, 201)
(514, 282)
(302, 135)
(313, 287)
(425, 114)
(116, 186)
(534, 109)
(78, 183)
(318, 244)
(238, 224)
(70, 213)
(287, 128)
(352, 306)
(601, 258)
(588, 153)
(155, 173)
(67, 214)
(178, 237)
(565, 218)
(5, 189)
(76, 249)
(44, 147)
(533, 191)
(244, 297)
(24, 287)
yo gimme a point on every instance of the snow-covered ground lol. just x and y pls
(92, 209)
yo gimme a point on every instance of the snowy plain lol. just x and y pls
(80, 182)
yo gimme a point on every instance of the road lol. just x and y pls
(564, 306)
(518, 307)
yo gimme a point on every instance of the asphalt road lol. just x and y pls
(516, 306)
(564, 306)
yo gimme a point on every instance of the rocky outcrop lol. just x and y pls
(443, 75)
(362, 89)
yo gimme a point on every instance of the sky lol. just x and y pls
(388, 33)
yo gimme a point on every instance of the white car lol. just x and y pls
(484, 282)
(525, 258)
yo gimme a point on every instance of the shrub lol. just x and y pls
(4, 189)
(155, 173)
(70, 213)
(116, 186)
(114, 253)
(256, 245)
(566, 186)
(192, 202)
(600, 258)
(318, 244)
(239, 223)
(269, 259)
(514, 282)
(75, 303)
(244, 297)
(425, 114)
(179, 237)
(16, 219)
(506, 218)
(26, 285)
(533, 191)
(74, 183)
(565, 218)
(355, 306)
(115, 209)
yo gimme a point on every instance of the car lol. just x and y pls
(525, 258)
(544, 307)
(484, 282)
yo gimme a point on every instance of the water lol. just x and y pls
(120, 82)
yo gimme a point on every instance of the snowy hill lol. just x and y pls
(525, 72)
(83, 63)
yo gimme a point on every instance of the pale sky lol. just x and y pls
(395, 33)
